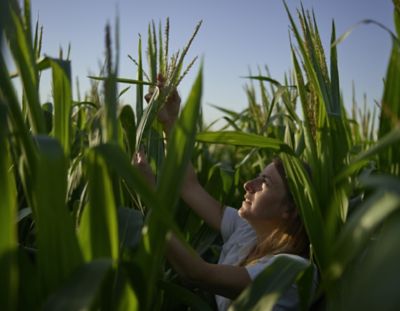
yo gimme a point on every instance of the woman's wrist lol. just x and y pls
(167, 126)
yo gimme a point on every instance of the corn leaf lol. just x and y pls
(127, 119)
(308, 64)
(123, 80)
(389, 161)
(306, 200)
(117, 161)
(381, 146)
(139, 87)
(59, 255)
(335, 91)
(148, 117)
(16, 117)
(372, 285)
(243, 139)
(62, 94)
(22, 50)
(80, 291)
(8, 214)
(176, 296)
(264, 78)
(309, 140)
(98, 230)
(267, 288)
(361, 226)
(130, 223)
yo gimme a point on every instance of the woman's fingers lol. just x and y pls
(160, 80)
(169, 112)
(173, 103)
(140, 157)
(148, 96)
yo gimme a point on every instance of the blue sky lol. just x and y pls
(235, 36)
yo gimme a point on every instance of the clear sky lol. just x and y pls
(235, 36)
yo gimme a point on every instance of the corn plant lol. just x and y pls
(344, 205)
(67, 182)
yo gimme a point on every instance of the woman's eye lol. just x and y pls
(265, 182)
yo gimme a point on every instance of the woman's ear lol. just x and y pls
(286, 215)
(289, 213)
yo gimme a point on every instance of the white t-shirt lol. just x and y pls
(239, 237)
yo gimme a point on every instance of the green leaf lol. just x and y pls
(310, 69)
(128, 298)
(243, 139)
(263, 78)
(62, 94)
(267, 288)
(231, 113)
(130, 223)
(335, 85)
(16, 117)
(21, 47)
(373, 284)
(98, 230)
(381, 146)
(361, 226)
(58, 249)
(8, 215)
(308, 123)
(306, 200)
(118, 162)
(80, 291)
(123, 80)
(148, 117)
(306, 287)
(389, 160)
(110, 121)
(139, 87)
(127, 118)
(176, 296)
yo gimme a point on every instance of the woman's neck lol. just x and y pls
(264, 230)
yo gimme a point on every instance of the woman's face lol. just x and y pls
(265, 197)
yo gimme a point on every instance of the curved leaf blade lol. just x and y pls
(243, 139)
(81, 289)
(59, 255)
(266, 289)
(8, 215)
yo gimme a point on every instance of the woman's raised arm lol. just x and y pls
(193, 193)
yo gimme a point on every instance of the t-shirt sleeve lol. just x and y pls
(230, 221)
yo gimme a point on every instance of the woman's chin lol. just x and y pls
(243, 211)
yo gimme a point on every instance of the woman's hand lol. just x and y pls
(141, 163)
(168, 113)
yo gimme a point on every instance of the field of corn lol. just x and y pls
(81, 229)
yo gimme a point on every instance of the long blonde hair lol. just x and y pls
(290, 237)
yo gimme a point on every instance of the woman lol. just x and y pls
(266, 225)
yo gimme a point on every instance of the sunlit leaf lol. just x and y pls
(80, 291)
(267, 288)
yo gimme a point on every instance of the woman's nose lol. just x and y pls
(249, 186)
